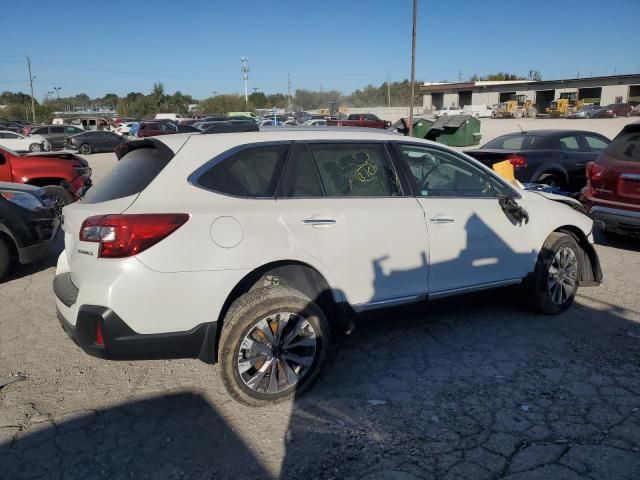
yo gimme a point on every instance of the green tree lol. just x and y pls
(224, 104)
(259, 100)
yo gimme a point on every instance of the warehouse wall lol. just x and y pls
(610, 93)
(450, 99)
(485, 98)
(426, 101)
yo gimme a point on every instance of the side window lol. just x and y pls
(570, 143)
(301, 179)
(350, 170)
(252, 172)
(596, 144)
(40, 131)
(11, 135)
(56, 130)
(442, 174)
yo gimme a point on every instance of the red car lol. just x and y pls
(614, 110)
(366, 120)
(152, 129)
(64, 176)
(612, 194)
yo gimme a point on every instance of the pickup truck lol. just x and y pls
(367, 120)
(444, 111)
(64, 176)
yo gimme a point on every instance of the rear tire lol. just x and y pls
(61, 196)
(551, 179)
(5, 258)
(85, 149)
(557, 274)
(260, 369)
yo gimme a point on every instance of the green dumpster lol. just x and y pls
(455, 131)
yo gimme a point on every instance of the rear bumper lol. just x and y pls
(119, 341)
(626, 222)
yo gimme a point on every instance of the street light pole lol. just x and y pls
(33, 102)
(245, 77)
(57, 89)
(413, 65)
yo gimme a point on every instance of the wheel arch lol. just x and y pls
(590, 272)
(295, 274)
(552, 169)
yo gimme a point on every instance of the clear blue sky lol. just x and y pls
(195, 45)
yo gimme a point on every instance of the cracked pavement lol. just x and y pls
(471, 388)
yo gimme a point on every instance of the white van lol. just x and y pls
(478, 111)
(169, 116)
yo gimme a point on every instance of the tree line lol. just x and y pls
(141, 105)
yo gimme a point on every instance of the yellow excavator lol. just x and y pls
(517, 107)
(566, 105)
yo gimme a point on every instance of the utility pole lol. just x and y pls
(389, 90)
(413, 66)
(459, 75)
(288, 92)
(245, 77)
(57, 89)
(33, 102)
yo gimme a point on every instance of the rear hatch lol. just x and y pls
(140, 163)
(616, 175)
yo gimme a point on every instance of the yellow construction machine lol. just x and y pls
(566, 105)
(517, 107)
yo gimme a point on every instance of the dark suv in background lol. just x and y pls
(28, 224)
(56, 134)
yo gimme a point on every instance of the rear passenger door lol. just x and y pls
(574, 157)
(57, 136)
(345, 210)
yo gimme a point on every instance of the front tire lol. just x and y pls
(35, 147)
(274, 343)
(557, 274)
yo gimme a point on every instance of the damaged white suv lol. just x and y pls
(249, 249)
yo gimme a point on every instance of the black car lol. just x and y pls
(553, 157)
(28, 224)
(94, 141)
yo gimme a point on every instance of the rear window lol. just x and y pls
(253, 172)
(516, 142)
(625, 147)
(133, 173)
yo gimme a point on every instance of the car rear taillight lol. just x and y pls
(518, 161)
(122, 236)
(595, 171)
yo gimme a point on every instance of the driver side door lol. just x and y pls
(472, 242)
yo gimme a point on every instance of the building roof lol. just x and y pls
(441, 87)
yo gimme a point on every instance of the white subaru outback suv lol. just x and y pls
(250, 249)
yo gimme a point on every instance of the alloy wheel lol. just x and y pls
(277, 353)
(562, 279)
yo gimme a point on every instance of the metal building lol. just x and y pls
(597, 90)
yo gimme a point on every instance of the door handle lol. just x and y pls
(318, 221)
(440, 219)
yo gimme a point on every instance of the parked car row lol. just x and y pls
(609, 111)
(604, 174)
